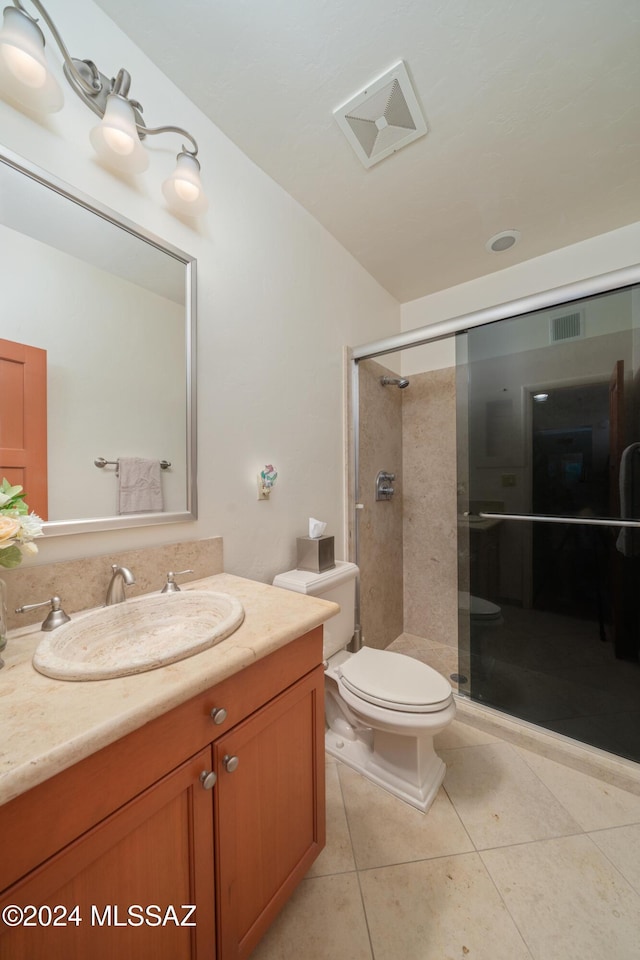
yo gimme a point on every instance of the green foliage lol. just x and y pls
(12, 498)
(10, 556)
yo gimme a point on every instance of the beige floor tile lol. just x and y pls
(459, 734)
(592, 802)
(622, 846)
(324, 920)
(337, 856)
(499, 799)
(567, 899)
(386, 830)
(437, 909)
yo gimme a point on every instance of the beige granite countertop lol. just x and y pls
(48, 725)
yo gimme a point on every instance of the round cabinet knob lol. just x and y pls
(230, 763)
(218, 715)
(208, 779)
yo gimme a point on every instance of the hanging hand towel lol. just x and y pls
(139, 485)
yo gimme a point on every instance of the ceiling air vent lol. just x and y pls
(383, 118)
(568, 326)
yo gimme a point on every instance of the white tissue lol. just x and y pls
(316, 528)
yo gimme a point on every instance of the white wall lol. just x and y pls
(590, 258)
(277, 300)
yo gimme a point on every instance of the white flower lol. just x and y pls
(31, 527)
(30, 549)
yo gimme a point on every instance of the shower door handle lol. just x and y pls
(541, 518)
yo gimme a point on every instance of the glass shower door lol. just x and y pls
(549, 531)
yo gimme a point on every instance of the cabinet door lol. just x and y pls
(155, 852)
(270, 815)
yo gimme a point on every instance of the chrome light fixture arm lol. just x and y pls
(151, 131)
(93, 87)
(25, 77)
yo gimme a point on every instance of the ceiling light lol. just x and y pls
(540, 397)
(502, 241)
(25, 78)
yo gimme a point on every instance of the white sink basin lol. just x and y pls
(138, 635)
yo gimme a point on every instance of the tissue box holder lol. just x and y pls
(316, 554)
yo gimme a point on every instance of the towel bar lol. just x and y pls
(540, 518)
(101, 462)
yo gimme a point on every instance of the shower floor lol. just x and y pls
(550, 670)
(441, 656)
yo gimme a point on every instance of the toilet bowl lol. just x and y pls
(382, 709)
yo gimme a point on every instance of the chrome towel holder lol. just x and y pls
(101, 462)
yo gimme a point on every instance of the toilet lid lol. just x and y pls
(484, 609)
(395, 681)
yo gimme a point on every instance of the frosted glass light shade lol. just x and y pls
(24, 73)
(183, 190)
(116, 139)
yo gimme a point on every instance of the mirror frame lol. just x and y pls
(97, 524)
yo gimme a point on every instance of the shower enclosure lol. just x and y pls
(508, 556)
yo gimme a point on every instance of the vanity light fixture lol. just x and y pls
(25, 78)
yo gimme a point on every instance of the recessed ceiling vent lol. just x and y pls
(568, 326)
(383, 118)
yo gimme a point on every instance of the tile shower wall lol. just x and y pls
(408, 546)
(429, 506)
(380, 522)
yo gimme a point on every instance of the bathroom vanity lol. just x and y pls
(183, 836)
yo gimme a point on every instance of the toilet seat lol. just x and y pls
(395, 681)
(484, 609)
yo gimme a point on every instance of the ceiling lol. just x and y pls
(532, 110)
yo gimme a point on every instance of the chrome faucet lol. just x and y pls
(121, 576)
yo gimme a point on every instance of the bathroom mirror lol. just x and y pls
(111, 310)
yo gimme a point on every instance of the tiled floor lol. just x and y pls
(518, 858)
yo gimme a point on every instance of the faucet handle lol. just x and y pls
(56, 616)
(171, 586)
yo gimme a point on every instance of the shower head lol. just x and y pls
(395, 381)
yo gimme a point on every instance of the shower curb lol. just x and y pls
(592, 761)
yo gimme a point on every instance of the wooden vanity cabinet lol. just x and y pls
(134, 826)
(269, 826)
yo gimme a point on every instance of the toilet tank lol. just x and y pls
(337, 585)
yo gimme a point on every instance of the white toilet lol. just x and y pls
(382, 709)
